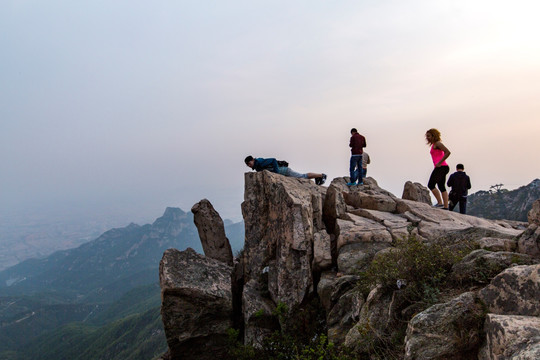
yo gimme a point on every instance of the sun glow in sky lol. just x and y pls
(143, 105)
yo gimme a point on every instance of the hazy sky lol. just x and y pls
(115, 105)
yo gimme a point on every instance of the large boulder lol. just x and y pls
(373, 323)
(496, 244)
(433, 223)
(515, 291)
(445, 331)
(534, 214)
(480, 266)
(529, 242)
(416, 192)
(257, 311)
(212, 232)
(511, 337)
(342, 303)
(322, 251)
(283, 218)
(196, 304)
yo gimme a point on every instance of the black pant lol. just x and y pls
(438, 177)
(462, 205)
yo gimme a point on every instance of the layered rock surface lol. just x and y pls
(304, 241)
(196, 304)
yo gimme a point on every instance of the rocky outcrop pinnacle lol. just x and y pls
(304, 241)
(212, 232)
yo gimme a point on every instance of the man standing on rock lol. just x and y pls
(460, 183)
(357, 145)
(282, 168)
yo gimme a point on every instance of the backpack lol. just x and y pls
(282, 163)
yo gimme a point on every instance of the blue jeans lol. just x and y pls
(355, 169)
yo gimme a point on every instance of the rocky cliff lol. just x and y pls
(504, 204)
(387, 276)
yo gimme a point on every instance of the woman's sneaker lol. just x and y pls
(438, 206)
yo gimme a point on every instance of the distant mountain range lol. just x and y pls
(504, 204)
(111, 281)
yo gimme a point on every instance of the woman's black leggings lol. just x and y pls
(438, 176)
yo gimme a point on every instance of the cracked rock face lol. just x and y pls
(283, 216)
(212, 232)
(515, 291)
(196, 304)
(300, 236)
(445, 331)
(416, 192)
(511, 337)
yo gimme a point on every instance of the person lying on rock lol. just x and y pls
(282, 168)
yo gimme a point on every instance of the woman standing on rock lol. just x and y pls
(439, 154)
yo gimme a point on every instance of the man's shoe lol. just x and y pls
(351, 184)
(323, 179)
(318, 180)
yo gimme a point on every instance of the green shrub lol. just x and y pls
(302, 337)
(418, 267)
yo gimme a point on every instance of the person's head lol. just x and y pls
(460, 167)
(432, 136)
(250, 161)
(354, 131)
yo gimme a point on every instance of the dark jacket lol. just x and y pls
(269, 164)
(460, 182)
(357, 143)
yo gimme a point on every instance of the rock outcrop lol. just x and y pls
(445, 331)
(283, 219)
(196, 304)
(304, 242)
(416, 192)
(511, 337)
(212, 232)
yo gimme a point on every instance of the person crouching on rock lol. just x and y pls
(282, 168)
(439, 154)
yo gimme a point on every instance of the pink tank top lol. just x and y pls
(437, 155)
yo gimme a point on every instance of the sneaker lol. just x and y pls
(318, 180)
(438, 206)
(351, 184)
(323, 179)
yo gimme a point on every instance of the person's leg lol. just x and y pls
(452, 205)
(359, 170)
(431, 186)
(311, 175)
(352, 169)
(290, 172)
(364, 172)
(437, 195)
(445, 199)
(463, 205)
(440, 179)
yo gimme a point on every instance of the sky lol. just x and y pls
(127, 107)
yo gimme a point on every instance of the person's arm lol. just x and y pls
(351, 142)
(450, 181)
(439, 145)
(275, 166)
(269, 164)
(468, 182)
